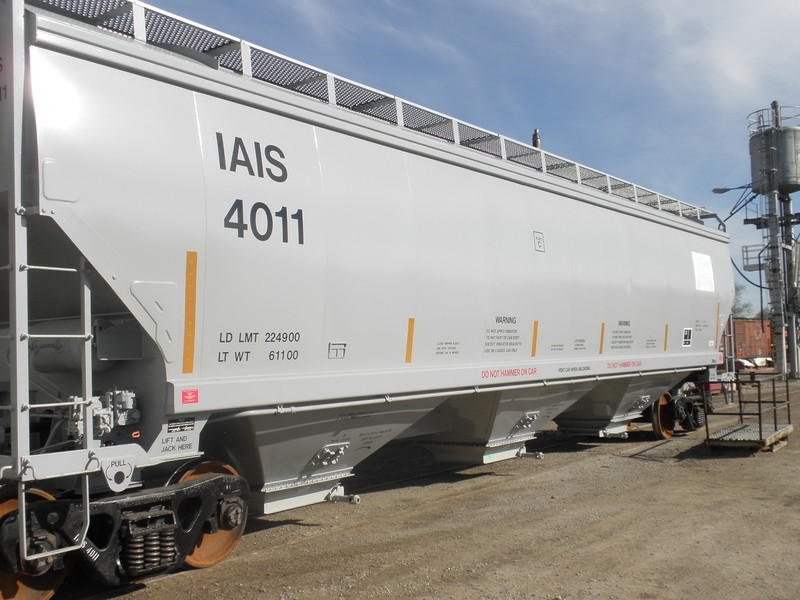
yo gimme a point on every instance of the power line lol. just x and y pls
(740, 204)
(738, 270)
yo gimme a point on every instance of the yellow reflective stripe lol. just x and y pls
(190, 312)
(535, 338)
(410, 340)
(602, 336)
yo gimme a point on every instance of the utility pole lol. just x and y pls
(774, 157)
(790, 281)
(775, 279)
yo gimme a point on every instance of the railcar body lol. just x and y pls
(232, 277)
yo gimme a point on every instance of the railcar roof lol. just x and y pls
(146, 23)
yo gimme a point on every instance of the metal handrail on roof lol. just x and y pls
(151, 25)
(763, 119)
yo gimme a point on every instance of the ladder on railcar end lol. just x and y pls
(759, 421)
(20, 406)
(18, 467)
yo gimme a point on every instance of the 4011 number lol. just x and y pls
(261, 222)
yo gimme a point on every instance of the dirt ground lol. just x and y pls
(606, 519)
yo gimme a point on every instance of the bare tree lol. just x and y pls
(740, 309)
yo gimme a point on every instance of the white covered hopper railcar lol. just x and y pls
(232, 277)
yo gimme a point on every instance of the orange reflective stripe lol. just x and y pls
(190, 312)
(410, 340)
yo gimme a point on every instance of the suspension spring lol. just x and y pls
(152, 550)
(134, 554)
(168, 552)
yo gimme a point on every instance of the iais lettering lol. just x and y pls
(239, 156)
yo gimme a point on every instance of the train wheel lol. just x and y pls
(28, 586)
(686, 413)
(212, 547)
(663, 417)
(695, 419)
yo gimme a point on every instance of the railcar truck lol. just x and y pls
(229, 277)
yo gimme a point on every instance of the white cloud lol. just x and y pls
(743, 53)
(728, 52)
(359, 21)
(323, 19)
(434, 47)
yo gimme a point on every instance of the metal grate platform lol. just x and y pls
(747, 435)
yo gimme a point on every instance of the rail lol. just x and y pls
(214, 49)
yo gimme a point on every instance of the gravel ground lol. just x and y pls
(624, 519)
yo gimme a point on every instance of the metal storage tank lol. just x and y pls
(775, 148)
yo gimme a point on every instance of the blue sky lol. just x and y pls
(653, 91)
